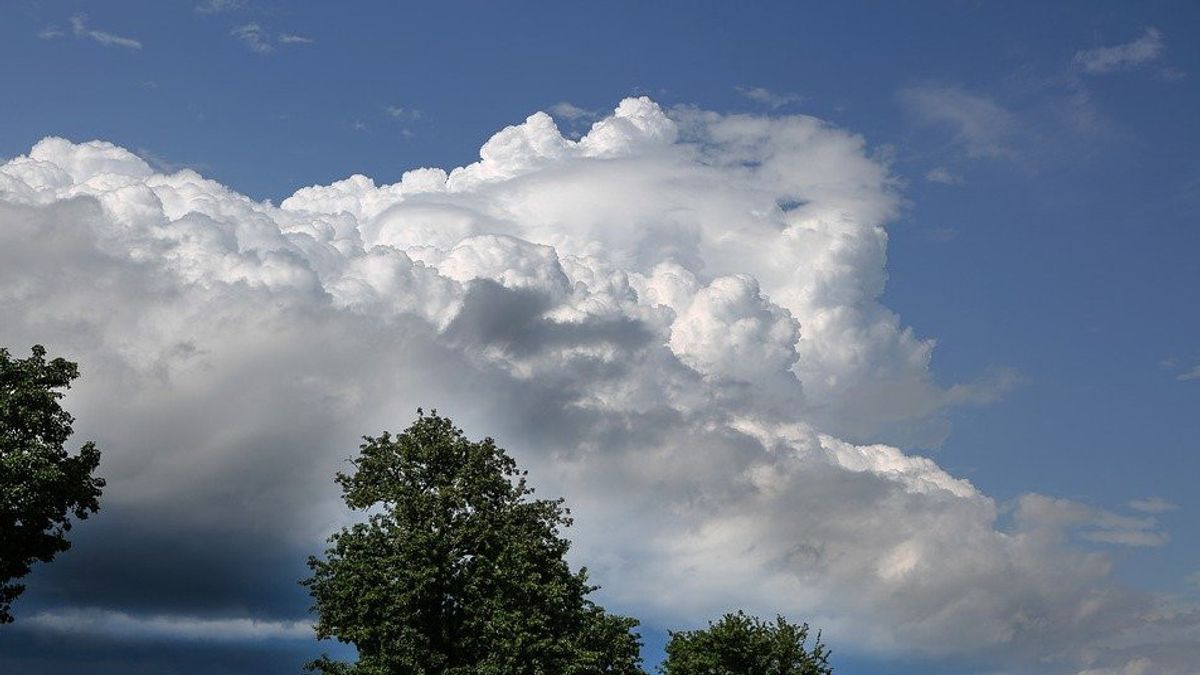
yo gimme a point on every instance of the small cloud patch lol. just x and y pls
(80, 28)
(1146, 49)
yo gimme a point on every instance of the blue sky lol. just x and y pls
(1042, 156)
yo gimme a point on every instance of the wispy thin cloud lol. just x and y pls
(981, 126)
(50, 33)
(120, 625)
(769, 98)
(254, 37)
(1135, 538)
(1147, 48)
(164, 165)
(404, 116)
(402, 113)
(1188, 375)
(80, 28)
(1112, 528)
(291, 39)
(943, 175)
(218, 6)
(569, 111)
(258, 39)
(1152, 505)
(1092, 524)
(1169, 74)
(1182, 372)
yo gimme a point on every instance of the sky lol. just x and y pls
(878, 315)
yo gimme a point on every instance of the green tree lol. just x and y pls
(457, 570)
(41, 485)
(744, 645)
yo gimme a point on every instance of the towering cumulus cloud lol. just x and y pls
(674, 321)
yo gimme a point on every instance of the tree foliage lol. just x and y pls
(457, 570)
(41, 485)
(742, 645)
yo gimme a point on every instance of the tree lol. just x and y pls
(744, 645)
(457, 570)
(41, 485)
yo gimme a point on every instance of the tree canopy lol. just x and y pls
(41, 485)
(743, 645)
(456, 569)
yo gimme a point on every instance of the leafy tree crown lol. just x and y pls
(743, 645)
(456, 569)
(41, 485)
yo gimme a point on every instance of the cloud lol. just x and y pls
(728, 329)
(769, 98)
(1140, 666)
(80, 28)
(1152, 505)
(127, 627)
(571, 112)
(943, 175)
(1182, 372)
(674, 321)
(254, 37)
(402, 113)
(165, 165)
(50, 33)
(290, 39)
(1093, 524)
(1146, 49)
(979, 125)
(218, 6)
(257, 39)
(1192, 374)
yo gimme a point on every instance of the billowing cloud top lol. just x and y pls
(673, 321)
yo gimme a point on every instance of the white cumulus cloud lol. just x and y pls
(674, 321)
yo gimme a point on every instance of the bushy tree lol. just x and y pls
(457, 570)
(41, 485)
(743, 645)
